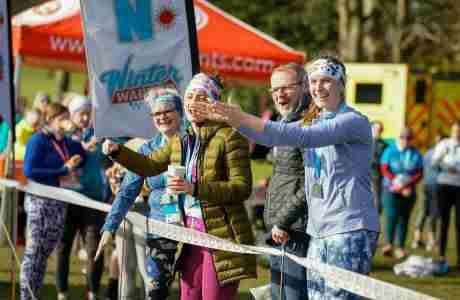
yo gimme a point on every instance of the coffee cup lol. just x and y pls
(176, 170)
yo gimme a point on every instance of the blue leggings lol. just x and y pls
(352, 251)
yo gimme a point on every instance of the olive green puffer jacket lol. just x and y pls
(225, 181)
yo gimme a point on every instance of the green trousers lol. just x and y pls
(397, 210)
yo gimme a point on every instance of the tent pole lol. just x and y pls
(17, 77)
(13, 194)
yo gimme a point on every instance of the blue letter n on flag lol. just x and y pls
(134, 20)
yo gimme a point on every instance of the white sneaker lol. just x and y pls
(62, 296)
(82, 255)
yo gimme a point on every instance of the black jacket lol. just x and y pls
(287, 184)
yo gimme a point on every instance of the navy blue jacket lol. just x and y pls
(43, 164)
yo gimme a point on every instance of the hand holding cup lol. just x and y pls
(176, 181)
(73, 162)
(109, 147)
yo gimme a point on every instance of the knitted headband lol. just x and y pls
(209, 85)
(164, 96)
(326, 67)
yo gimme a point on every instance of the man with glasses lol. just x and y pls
(288, 91)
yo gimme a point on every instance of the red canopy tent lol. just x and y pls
(50, 35)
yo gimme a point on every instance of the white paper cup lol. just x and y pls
(176, 170)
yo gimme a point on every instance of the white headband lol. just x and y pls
(326, 67)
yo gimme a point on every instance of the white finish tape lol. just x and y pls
(353, 282)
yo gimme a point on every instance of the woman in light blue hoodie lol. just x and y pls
(343, 221)
(167, 115)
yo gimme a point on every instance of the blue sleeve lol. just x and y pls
(344, 128)
(259, 138)
(33, 161)
(129, 190)
(385, 159)
(419, 163)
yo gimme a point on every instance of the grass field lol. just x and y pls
(447, 287)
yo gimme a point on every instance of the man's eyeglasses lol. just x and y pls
(161, 113)
(405, 137)
(287, 88)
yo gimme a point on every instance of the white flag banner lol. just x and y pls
(6, 82)
(131, 46)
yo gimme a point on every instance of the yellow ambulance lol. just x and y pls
(396, 96)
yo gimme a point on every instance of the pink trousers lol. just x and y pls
(199, 278)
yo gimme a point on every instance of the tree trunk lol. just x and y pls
(350, 29)
(401, 20)
(373, 30)
(63, 84)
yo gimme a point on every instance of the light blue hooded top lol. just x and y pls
(337, 154)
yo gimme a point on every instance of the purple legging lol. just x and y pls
(45, 224)
(199, 278)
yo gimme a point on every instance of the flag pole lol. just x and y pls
(193, 36)
(10, 167)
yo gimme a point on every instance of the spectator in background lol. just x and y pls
(51, 158)
(286, 188)
(41, 100)
(80, 219)
(114, 175)
(4, 131)
(430, 210)
(379, 147)
(25, 129)
(402, 168)
(129, 252)
(446, 156)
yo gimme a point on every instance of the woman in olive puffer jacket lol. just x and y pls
(218, 180)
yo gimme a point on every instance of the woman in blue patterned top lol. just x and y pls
(167, 115)
(402, 168)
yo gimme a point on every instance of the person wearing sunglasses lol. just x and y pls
(402, 168)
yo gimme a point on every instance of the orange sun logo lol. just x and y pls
(166, 17)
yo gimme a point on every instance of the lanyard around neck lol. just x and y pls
(315, 156)
(61, 150)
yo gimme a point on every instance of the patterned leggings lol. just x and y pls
(351, 251)
(45, 221)
(159, 262)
